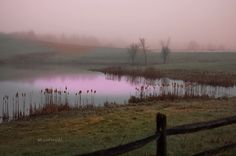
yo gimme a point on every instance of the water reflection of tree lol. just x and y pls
(133, 80)
(165, 81)
(137, 80)
(113, 77)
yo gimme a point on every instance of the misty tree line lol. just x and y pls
(134, 48)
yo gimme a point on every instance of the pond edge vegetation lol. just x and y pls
(202, 77)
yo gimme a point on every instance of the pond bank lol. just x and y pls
(73, 132)
(203, 77)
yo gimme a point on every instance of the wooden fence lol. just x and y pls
(162, 133)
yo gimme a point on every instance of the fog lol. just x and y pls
(123, 21)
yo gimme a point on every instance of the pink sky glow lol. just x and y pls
(74, 84)
(205, 21)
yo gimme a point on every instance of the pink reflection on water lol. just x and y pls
(74, 83)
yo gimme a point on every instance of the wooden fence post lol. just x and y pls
(161, 129)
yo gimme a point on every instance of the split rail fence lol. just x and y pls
(161, 136)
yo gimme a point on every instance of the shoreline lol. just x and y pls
(202, 77)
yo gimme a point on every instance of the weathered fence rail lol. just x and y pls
(195, 127)
(216, 150)
(162, 132)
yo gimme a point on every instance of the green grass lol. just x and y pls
(82, 132)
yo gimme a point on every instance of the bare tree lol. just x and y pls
(132, 51)
(165, 50)
(193, 46)
(144, 48)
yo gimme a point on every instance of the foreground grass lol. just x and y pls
(75, 132)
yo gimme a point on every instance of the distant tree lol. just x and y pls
(144, 49)
(193, 46)
(165, 50)
(132, 51)
(63, 38)
(211, 47)
(221, 47)
(31, 34)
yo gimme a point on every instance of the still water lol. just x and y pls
(97, 88)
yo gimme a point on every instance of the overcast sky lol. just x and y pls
(205, 21)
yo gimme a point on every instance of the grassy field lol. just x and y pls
(69, 133)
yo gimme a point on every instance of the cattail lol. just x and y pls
(65, 94)
(91, 91)
(13, 107)
(3, 107)
(55, 96)
(76, 100)
(7, 108)
(41, 97)
(23, 97)
(94, 92)
(59, 100)
(80, 92)
(87, 97)
(17, 104)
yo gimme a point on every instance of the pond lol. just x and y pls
(85, 87)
